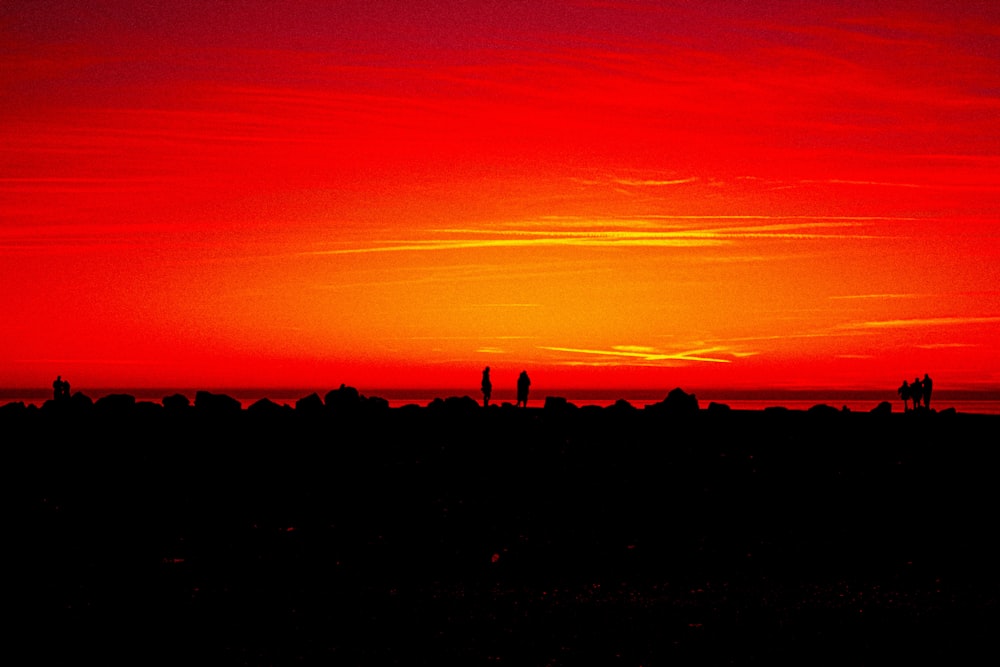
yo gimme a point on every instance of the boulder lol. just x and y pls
(376, 405)
(343, 399)
(883, 408)
(311, 404)
(265, 407)
(718, 408)
(677, 403)
(216, 404)
(11, 409)
(119, 403)
(557, 405)
(176, 402)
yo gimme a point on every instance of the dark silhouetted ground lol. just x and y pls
(454, 534)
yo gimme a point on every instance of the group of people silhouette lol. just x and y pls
(60, 389)
(918, 391)
(523, 383)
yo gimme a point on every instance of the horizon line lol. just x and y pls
(654, 393)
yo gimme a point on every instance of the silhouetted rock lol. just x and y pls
(11, 409)
(883, 408)
(948, 411)
(76, 404)
(621, 405)
(824, 410)
(267, 408)
(81, 402)
(311, 404)
(344, 399)
(718, 408)
(117, 403)
(176, 402)
(677, 403)
(376, 405)
(216, 404)
(555, 403)
(461, 404)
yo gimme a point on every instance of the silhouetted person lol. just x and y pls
(487, 387)
(916, 392)
(60, 388)
(904, 393)
(928, 386)
(523, 382)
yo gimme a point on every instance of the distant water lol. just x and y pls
(856, 402)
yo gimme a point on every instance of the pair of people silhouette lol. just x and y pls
(523, 383)
(60, 389)
(919, 391)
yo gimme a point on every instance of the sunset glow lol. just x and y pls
(608, 194)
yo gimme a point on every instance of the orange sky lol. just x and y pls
(802, 194)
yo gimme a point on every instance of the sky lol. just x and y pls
(606, 194)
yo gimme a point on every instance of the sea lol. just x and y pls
(973, 402)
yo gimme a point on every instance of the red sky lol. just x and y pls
(727, 194)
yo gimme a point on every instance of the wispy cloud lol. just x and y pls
(620, 181)
(615, 233)
(922, 322)
(653, 182)
(946, 346)
(879, 296)
(594, 240)
(645, 354)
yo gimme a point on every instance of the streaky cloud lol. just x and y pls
(922, 322)
(648, 356)
(618, 233)
(945, 346)
(879, 296)
(630, 182)
(569, 240)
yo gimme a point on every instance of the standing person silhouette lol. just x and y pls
(904, 393)
(928, 386)
(60, 389)
(523, 382)
(916, 393)
(487, 387)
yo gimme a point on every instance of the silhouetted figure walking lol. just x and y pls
(916, 393)
(60, 389)
(904, 393)
(487, 387)
(523, 382)
(928, 386)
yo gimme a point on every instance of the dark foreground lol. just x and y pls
(492, 537)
